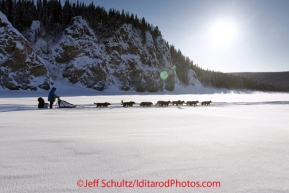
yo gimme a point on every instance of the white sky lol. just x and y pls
(260, 41)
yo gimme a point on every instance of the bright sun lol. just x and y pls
(222, 33)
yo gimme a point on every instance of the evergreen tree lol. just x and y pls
(66, 13)
(8, 9)
(39, 10)
(17, 16)
(44, 19)
(1, 6)
(143, 30)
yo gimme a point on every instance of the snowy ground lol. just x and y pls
(241, 141)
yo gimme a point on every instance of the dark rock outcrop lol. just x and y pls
(20, 67)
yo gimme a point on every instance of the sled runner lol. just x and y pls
(65, 104)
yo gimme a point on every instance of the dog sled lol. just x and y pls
(65, 104)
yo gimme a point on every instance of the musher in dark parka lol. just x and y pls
(52, 96)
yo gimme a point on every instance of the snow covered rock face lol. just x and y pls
(123, 60)
(137, 65)
(129, 60)
(20, 67)
(81, 56)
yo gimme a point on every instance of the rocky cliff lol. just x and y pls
(20, 67)
(77, 55)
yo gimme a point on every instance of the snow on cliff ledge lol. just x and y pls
(20, 67)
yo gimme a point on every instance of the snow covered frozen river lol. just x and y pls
(238, 144)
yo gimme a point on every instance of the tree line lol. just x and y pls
(223, 80)
(55, 17)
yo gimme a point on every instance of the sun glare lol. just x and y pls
(222, 33)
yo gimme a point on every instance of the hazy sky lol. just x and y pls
(221, 35)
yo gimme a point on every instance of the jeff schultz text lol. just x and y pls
(103, 183)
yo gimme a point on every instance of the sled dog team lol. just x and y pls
(63, 104)
(159, 103)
